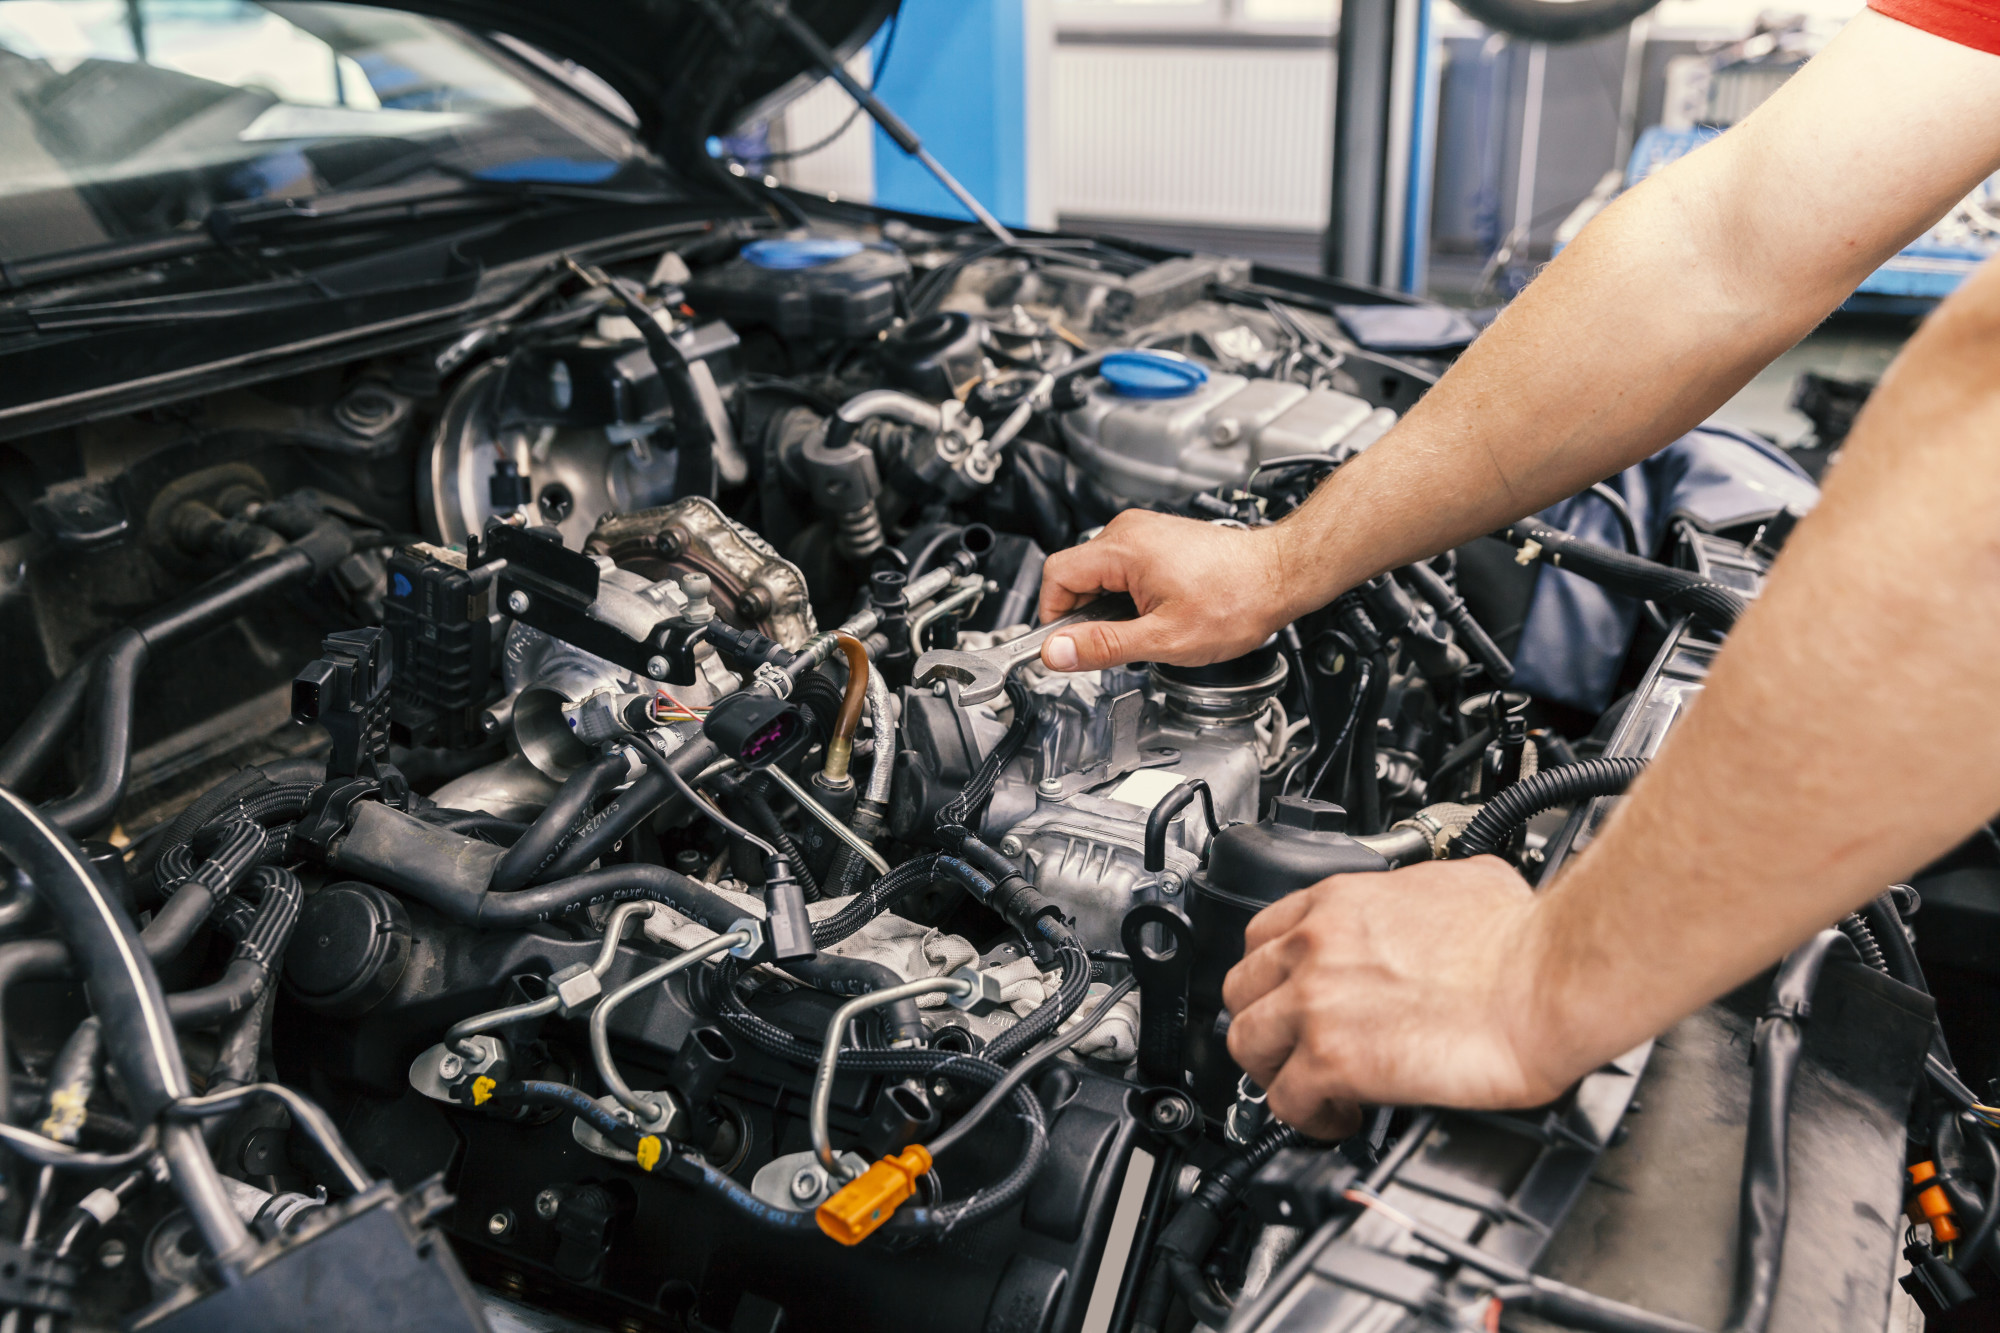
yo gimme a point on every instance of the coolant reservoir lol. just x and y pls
(1158, 426)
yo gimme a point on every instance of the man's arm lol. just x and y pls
(1848, 734)
(1664, 307)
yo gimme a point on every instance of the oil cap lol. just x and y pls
(348, 949)
(807, 252)
(1146, 374)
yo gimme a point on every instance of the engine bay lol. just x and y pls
(586, 790)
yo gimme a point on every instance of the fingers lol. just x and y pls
(1071, 578)
(1276, 919)
(1295, 1097)
(1256, 975)
(1262, 1037)
(1105, 643)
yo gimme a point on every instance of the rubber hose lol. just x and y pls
(632, 807)
(841, 746)
(1361, 775)
(1982, 1231)
(754, 798)
(24, 960)
(1430, 586)
(539, 847)
(1052, 1012)
(114, 681)
(882, 895)
(1500, 817)
(57, 714)
(124, 990)
(1764, 1200)
(239, 845)
(1631, 575)
(257, 958)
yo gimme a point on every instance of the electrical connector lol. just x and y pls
(1931, 1205)
(864, 1204)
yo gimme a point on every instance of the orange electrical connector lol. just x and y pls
(871, 1198)
(1930, 1205)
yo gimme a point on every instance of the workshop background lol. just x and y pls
(1209, 125)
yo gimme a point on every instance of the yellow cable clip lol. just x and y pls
(864, 1203)
(482, 1090)
(648, 1152)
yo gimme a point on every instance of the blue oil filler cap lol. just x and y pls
(810, 252)
(1140, 374)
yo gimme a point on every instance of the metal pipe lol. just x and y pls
(614, 930)
(201, 1192)
(650, 1113)
(827, 817)
(822, 1094)
(969, 594)
(863, 622)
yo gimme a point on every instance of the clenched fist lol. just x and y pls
(1415, 987)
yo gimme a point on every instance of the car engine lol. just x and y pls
(566, 827)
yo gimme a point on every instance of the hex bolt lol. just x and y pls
(805, 1185)
(500, 1223)
(1050, 786)
(450, 1067)
(548, 1203)
(657, 667)
(517, 602)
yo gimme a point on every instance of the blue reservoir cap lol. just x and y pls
(1151, 374)
(811, 252)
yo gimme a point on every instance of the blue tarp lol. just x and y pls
(1575, 637)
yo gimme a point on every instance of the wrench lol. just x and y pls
(982, 675)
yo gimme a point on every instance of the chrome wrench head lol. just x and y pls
(982, 674)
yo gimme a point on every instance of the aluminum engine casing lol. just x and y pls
(1109, 746)
(1170, 448)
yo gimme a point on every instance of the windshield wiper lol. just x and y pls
(233, 224)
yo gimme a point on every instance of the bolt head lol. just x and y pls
(1049, 786)
(1171, 1113)
(1170, 884)
(548, 1203)
(806, 1184)
(1010, 846)
(940, 1088)
(517, 602)
(657, 668)
(755, 603)
(450, 1067)
(111, 1254)
(500, 1223)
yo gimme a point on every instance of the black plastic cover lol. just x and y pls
(852, 297)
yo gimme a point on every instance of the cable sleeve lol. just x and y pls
(1500, 817)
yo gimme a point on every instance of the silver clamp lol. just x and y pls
(774, 678)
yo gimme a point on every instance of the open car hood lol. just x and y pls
(689, 68)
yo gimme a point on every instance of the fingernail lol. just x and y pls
(1060, 653)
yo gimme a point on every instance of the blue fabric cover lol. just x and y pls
(1576, 635)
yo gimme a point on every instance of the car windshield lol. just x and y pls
(121, 119)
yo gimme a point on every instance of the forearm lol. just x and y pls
(1664, 307)
(1846, 736)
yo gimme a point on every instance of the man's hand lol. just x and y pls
(1415, 987)
(1205, 593)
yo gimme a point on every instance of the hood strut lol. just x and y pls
(892, 124)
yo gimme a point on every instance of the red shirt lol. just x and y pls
(1973, 23)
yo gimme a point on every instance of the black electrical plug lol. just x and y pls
(785, 920)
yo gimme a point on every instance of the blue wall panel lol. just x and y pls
(958, 75)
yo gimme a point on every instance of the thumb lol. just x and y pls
(1105, 643)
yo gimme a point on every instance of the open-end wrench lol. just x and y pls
(982, 674)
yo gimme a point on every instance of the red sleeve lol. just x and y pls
(1973, 23)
